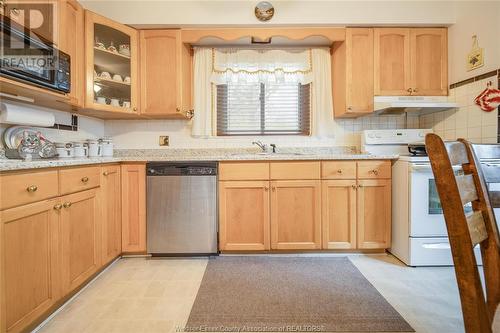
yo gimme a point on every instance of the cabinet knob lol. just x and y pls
(374, 171)
(409, 90)
(274, 188)
(57, 206)
(266, 188)
(349, 108)
(339, 171)
(105, 173)
(178, 109)
(353, 187)
(415, 89)
(360, 185)
(32, 188)
(85, 179)
(67, 204)
(135, 109)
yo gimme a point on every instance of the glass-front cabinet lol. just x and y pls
(111, 66)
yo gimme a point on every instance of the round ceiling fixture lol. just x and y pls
(264, 11)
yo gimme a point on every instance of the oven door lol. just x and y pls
(426, 214)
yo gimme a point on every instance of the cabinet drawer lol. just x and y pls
(26, 187)
(338, 170)
(78, 179)
(374, 169)
(295, 170)
(243, 171)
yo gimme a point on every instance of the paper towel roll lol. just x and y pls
(22, 115)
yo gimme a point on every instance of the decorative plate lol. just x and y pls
(264, 11)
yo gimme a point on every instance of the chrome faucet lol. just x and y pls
(261, 145)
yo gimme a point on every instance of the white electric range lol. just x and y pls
(419, 235)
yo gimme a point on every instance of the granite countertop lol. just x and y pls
(146, 155)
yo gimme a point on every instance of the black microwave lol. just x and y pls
(27, 57)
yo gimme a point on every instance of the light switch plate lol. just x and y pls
(164, 141)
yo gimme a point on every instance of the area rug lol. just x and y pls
(283, 294)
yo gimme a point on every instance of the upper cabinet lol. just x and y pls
(410, 61)
(429, 61)
(352, 79)
(71, 22)
(112, 81)
(165, 74)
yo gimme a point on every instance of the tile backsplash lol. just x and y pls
(468, 121)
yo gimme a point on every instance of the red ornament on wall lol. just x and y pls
(489, 99)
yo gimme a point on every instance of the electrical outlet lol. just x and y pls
(164, 140)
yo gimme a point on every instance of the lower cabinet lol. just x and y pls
(30, 258)
(133, 177)
(111, 212)
(80, 237)
(295, 214)
(244, 215)
(339, 213)
(374, 213)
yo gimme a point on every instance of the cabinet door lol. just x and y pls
(111, 212)
(339, 214)
(71, 26)
(133, 208)
(295, 214)
(40, 16)
(111, 66)
(359, 67)
(429, 61)
(392, 61)
(374, 214)
(244, 215)
(80, 236)
(161, 70)
(30, 270)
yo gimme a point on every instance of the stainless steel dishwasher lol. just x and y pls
(182, 208)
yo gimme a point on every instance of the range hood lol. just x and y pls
(391, 105)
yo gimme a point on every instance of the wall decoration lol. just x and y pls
(475, 58)
(264, 11)
(489, 99)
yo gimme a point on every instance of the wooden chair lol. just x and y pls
(466, 230)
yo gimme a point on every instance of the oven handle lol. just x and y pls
(436, 246)
(427, 167)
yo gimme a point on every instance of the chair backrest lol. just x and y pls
(466, 229)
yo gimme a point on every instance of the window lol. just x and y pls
(263, 109)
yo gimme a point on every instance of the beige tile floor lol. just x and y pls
(156, 295)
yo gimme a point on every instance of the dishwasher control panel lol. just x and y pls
(181, 169)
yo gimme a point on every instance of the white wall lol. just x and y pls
(481, 18)
(287, 12)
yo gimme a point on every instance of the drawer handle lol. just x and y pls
(67, 204)
(360, 185)
(85, 179)
(105, 173)
(32, 188)
(57, 206)
(339, 171)
(266, 188)
(375, 172)
(353, 187)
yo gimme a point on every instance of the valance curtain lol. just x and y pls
(263, 66)
(221, 66)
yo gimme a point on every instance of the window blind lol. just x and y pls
(263, 109)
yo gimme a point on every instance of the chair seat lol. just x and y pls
(496, 321)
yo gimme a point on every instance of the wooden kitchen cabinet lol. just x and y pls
(101, 35)
(30, 263)
(111, 212)
(244, 215)
(80, 237)
(165, 74)
(339, 214)
(352, 73)
(411, 61)
(295, 214)
(429, 61)
(71, 41)
(133, 184)
(374, 213)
